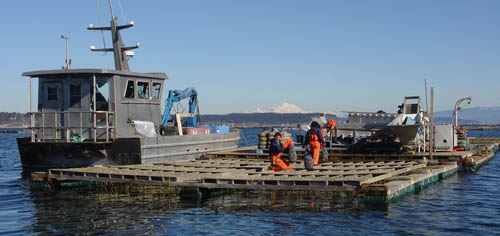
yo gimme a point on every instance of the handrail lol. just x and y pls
(65, 127)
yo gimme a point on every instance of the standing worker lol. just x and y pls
(315, 140)
(330, 129)
(323, 153)
(330, 126)
(275, 150)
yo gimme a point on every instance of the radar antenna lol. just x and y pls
(121, 53)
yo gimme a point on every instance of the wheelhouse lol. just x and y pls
(93, 104)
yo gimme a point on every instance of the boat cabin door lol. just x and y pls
(51, 117)
(77, 107)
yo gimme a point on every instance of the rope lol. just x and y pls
(100, 23)
(121, 11)
(179, 107)
(198, 111)
(244, 138)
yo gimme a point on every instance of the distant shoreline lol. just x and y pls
(13, 126)
(22, 127)
(481, 127)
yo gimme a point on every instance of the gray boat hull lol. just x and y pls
(164, 149)
(406, 133)
(126, 151)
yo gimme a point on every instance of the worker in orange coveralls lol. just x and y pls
(314, 138)
(330, 128)
(275, 150)
(330, 125)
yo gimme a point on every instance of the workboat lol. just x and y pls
(89, 117)
(410, 124)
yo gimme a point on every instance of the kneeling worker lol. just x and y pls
(275, 150)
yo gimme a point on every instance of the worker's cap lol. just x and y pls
(277, 134)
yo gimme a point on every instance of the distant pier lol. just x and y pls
(13, 130)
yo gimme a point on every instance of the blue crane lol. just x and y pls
(176, 96)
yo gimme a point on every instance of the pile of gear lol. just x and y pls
(377, 144)
(265, 137)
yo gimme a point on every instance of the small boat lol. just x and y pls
(101, 116)
(409, 124)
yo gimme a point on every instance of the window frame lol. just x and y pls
(58, 85)
(48, 94)
(133, 90)
(149, 90)
(159, 91)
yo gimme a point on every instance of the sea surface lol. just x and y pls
(464, 204)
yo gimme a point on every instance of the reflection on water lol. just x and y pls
(134, 209)
(463, 204)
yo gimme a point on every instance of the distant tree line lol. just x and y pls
(244, 119)
(8, 117)
(261, 119)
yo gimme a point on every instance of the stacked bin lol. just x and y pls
(462, 138)
(265, 137)
(262, 139)
(269, 135)
(285, 136)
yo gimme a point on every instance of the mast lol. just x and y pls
(120, 52)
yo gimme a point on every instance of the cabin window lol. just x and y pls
(156, 91)
(143, 90)
(52, 93)
(102, 94)
(129, 92)
(75, 95)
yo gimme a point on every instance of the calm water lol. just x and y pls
(465, 204)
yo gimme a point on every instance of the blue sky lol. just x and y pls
(322, 56)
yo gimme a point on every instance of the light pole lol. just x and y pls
(68, 61)
(457, 108)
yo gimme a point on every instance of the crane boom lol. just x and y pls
(177, 96)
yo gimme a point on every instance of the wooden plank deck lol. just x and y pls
(243, 174)
(475, 162)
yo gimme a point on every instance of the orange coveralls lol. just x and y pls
(330, 125)
(314, 138)
(279, 164)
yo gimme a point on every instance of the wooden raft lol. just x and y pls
(413, 181)
(228, 173)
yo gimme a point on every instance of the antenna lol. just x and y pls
(68, 61)
(428, 131)
(431, 133)
(426, 103)
(111, 10)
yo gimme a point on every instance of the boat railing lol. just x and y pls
(72, 126)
